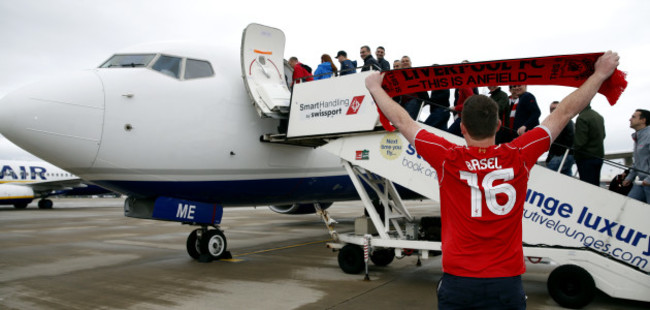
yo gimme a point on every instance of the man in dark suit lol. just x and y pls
(526, 110)
(369, 62)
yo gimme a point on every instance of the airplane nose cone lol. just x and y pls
(59, 120)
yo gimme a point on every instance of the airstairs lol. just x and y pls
(595, 237)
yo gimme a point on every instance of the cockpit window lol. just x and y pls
(175, 67)
(195, 69)
(128, 61)
(168, 65)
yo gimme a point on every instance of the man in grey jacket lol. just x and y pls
(641, 167)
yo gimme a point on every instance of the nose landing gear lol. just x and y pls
(206, 245)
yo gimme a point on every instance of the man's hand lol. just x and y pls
(606, 64)
(374, 80)
(575, 102)
(391, 109)
(521, 130)
(626, 183)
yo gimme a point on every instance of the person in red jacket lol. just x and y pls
(300, 73)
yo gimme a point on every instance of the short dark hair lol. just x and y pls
(366, 47)
(378, 47)
(644, 114)
(480, 116)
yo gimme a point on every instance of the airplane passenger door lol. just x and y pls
(262, 60)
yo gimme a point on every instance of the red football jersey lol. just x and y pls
(482, 194)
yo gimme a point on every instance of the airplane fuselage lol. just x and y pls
(141, 132)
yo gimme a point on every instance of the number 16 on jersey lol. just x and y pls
(491, 191)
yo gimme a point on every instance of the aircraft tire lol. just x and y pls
(213, 243)
(192, 245)
(45, 204)
(382, 257)
(571, 286)
(351, 259)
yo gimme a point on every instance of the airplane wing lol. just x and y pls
(55, 187)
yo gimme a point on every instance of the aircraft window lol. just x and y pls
(168, 65)
(128, 61)
(197, 69)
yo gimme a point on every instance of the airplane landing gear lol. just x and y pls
(206, 245)
(213, 243)
(192, 244)
(45, 204)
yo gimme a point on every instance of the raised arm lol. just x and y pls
(393, 111)
(575, 102)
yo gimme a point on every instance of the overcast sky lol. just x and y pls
(40, 38)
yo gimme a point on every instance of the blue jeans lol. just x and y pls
(640, 192)
(438, 118)
(481, 293)
(589, 170)
(556, 160)
(413, 108)
(455, 128)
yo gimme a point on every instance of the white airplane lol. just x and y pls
(172, 126)
(22, 181)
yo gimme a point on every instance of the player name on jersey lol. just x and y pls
(483, 164)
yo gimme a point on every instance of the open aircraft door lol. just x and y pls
(262, 61)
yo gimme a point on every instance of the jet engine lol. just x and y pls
(17, 195)
(299, 208)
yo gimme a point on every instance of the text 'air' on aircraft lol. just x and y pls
(22, 181)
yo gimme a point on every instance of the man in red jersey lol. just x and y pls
(482, 191)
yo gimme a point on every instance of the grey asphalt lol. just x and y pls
(84, 254)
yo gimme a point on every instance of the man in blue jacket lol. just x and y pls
(347, 66)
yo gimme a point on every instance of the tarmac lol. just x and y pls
(84, 254)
